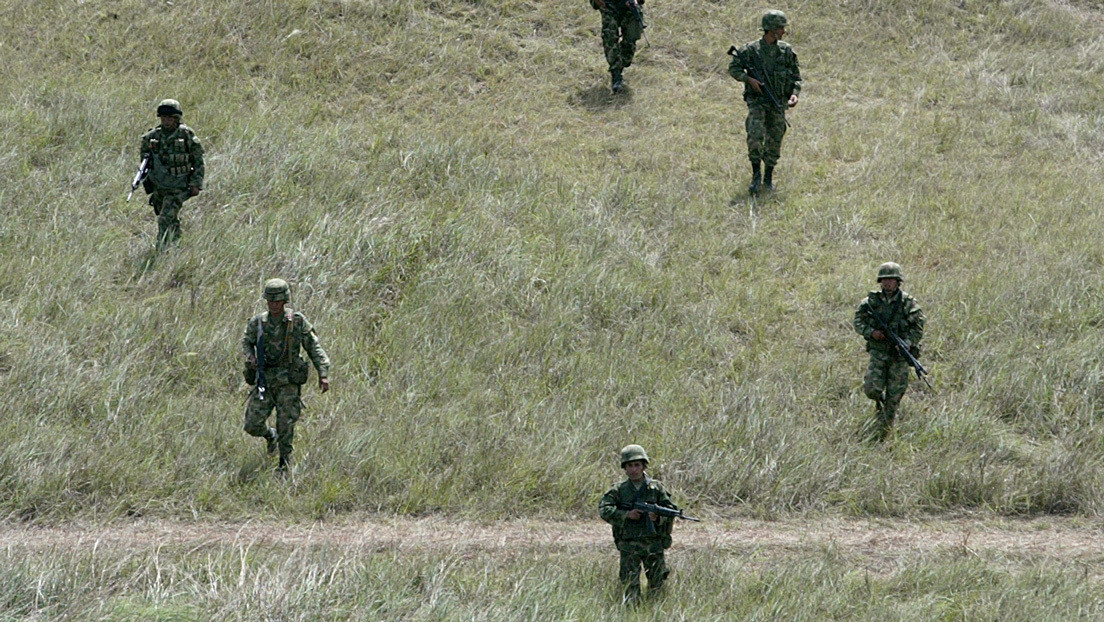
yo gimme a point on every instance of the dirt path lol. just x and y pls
(880, 545)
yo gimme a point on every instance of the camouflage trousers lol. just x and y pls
(887, 378)
(166, 205)
(654, 565)
(620, 32)
(285, 399)
(765, 127)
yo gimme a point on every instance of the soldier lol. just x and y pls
(175, 169)
(887, 376)
(776, 63)
(640, 538)
(622, 25)
(283, 333)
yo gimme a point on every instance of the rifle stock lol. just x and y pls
(143, 170)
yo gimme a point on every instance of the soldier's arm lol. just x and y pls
(317, 355)
(795, 75)
(145, 147)
(862, 320)
(736, 67)
(249, 339)
(198, 170)
(608, 510)
(915, 324)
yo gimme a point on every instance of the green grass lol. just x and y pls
(516, 274)
(251, 581)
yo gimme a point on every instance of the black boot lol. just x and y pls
(272, 439)
(768, 179)
(617, 84)
(285, 464)
(756, 179)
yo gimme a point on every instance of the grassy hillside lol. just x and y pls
(516, 274)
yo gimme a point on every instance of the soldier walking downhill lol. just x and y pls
(281, 332)
(175, 169)
(776, 63)
(622, 25)
(641, 538)
(887, 376)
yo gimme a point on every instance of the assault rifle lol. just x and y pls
(260, 353)
(651, 508)
(140, 176)
(754, 72)
(903, 348)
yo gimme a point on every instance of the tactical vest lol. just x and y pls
(172, 157)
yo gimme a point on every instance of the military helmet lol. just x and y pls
(169, 108)
(774, 19)
(633, 452)
(890, 270)
(277, 289)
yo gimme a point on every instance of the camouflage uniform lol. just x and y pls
(766, 124)
(176, 166)
(638, 546)
(285, 373)
(620, 31)
(887, 375)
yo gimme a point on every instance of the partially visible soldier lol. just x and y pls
(887, 376)
(640, 538)
(175, 169)
(284, 333)
(622, 25)
(776, 63)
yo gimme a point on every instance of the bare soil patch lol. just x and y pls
(877, 545)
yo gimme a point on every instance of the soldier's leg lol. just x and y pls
(630, 34)
(897, 380)
(756, 127)
(630, 577)
(256, 415)
(611, 40)
(774, 129)
(874, 386)
(656, 568)
(168, 222)
(288, 407)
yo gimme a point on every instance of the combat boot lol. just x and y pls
(273, 441)
(768, 179)
(756, 179)
(616, 83)
(285, 464)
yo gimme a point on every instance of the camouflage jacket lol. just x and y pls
(900, 311)
(778, 60)
(177, 161)
(283, 339)
(629, 534)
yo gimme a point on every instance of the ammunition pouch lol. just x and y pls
(298, 370)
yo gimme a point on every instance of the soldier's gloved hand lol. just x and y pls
(878, 335)
(755, 84)
(193, 190)
(324, 384)
(633, 514)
